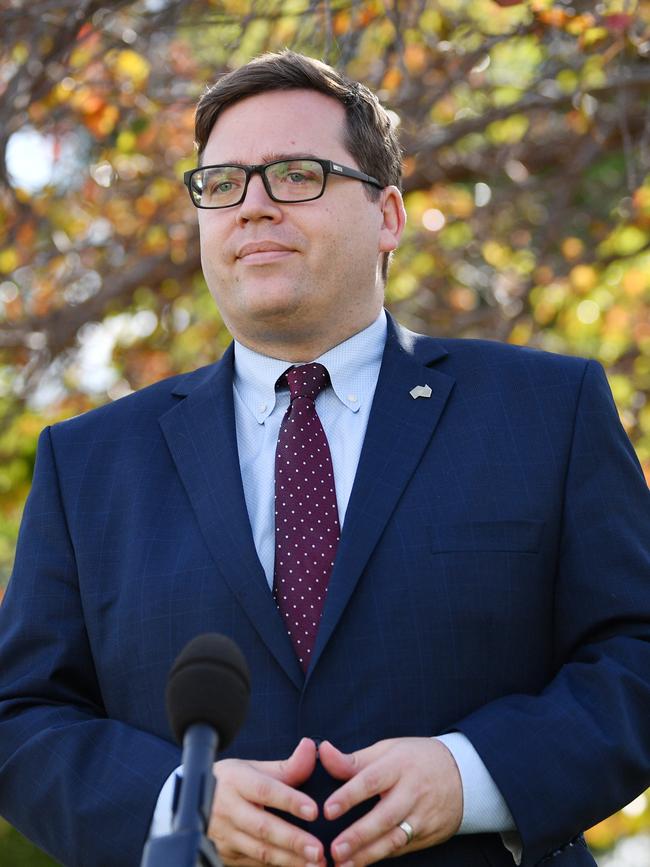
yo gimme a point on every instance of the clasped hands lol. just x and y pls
(416, 779)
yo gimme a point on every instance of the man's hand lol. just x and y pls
(244, 832)
(417, 780)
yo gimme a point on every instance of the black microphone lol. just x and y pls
(207, 698)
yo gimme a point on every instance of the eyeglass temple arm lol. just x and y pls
(337, 169)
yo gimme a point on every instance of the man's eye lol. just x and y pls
(297, 177)
(216, 188)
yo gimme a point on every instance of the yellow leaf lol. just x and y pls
(593, 35)
(19, 53)
(402, 286)
(236, 7)
(162, 189)
(496, 254)
(583, 277)
(126, 141)
(80, 56)
(506, 95)
(132, 66)
(579, 24)
(461, 203)
(544, 313)
(61, 91)
(593, 73)
(567, 80)
(641, 199)
(624, 241)
(508, 131)
(520, 334)
(431, 21)
(635, 281)
(9, 260)
(572, 248)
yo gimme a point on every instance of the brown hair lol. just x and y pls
(369, 134)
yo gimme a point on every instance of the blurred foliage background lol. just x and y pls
(526, 135)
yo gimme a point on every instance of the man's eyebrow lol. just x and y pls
(288, 155)
(271, 158)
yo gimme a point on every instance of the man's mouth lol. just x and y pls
(260, 252)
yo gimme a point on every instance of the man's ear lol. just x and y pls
(394, 219)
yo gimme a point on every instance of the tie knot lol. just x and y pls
(308, 380)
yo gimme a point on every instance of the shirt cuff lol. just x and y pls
(484, 808)
(161, 824)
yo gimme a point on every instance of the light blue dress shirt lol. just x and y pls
(353, 367)
(343, 409)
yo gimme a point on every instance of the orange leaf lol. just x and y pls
(392, 79)
(341, 23)
(553, 17)
(415, 57)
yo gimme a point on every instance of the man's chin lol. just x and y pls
(278, 308)
(269, 327)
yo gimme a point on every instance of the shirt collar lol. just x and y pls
(353, 367)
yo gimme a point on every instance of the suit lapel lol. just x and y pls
(399, 429)
(200, 434)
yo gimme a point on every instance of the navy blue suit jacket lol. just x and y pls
(493, 577)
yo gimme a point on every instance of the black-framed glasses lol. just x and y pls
(299, 179)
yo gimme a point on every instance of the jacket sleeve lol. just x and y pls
(81, 786)
(580, 749)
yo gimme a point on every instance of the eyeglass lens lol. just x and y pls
(288, 180)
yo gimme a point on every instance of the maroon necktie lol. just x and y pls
(306, 516)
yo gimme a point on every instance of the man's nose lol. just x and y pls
(257, 204)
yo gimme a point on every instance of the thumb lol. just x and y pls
(294, 770)
(300, 764)
(341, 766)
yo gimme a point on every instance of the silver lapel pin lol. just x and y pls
(420, 391)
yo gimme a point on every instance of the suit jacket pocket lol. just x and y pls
(521, 536)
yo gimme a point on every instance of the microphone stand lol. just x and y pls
(187, 845)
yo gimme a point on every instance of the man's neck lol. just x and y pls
(296, 351)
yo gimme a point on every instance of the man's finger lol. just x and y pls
(294, 770)
(339, 765)
(389, 845)
(289, 772)
(263, 789)
(374, 779)
(342, 765)
(377, 831)
(267, 839)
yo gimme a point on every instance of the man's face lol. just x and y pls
(302, 275)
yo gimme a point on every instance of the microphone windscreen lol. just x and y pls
(209, 683)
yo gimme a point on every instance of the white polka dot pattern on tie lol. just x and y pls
(306, 515)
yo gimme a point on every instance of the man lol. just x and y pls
(462, 676)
